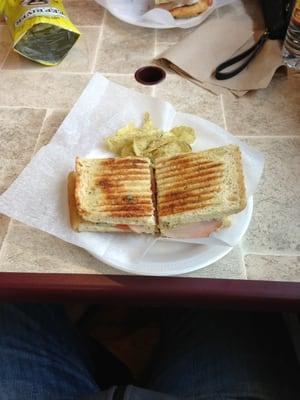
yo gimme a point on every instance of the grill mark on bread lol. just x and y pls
(184, 185)
(120, 172)
(187, 207)
(192, 194)
(192, 169)
(168, 207)
(135, 169)
(125, 208)
(105, 182)
(200, 176)
(185, 158)
(119, 162)
(119, 214)
(181, 164)
(126, 198)
(124, 214)
(121, 203)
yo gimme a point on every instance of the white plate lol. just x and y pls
(137, 20)
(136, 12)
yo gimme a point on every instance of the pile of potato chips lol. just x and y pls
(149, 141)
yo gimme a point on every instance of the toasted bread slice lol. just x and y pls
(115, 191)
(203, 186)
(80, 225)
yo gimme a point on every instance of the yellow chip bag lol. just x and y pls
(41, 29)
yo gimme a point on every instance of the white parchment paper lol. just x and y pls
(38, 197)
(141, 13)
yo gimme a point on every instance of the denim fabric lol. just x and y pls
(215, 355)
(41, 357)
(202, 356)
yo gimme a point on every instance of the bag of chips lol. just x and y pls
(41, 29)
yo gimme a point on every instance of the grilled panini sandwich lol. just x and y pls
(197, 191)
(112, 195)
(183, 8)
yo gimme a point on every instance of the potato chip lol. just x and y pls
(149, 141)
(129, 129)
(140, 144)
(184, 133)
(127, 150)
(158, 142)
(172, 148)
(112, 145)
(185, 147)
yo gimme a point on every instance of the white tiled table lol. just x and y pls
(35, 99)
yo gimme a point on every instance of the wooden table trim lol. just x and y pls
(140, 290)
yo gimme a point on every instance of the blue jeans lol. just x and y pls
(202, 356)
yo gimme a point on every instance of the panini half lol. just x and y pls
(115, 194)
(197, 191)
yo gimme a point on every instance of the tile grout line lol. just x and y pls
(47, 113)
(273, 254)
(170, 43)
(116, 74)
(93, 67)
(266, 136)
(30, 108)
(46, 71)
(5, 237)
(223, 111)
(243, 260)
(6, 57)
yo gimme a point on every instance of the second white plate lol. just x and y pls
(136, 12)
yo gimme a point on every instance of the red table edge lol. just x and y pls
(154, 291)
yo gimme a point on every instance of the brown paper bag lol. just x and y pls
(218, 39)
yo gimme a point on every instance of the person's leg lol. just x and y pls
(41, 356)
(225, 355)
